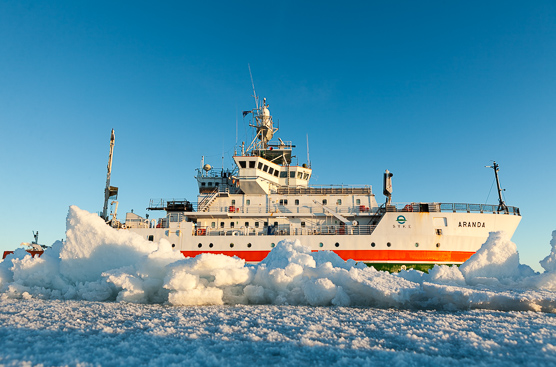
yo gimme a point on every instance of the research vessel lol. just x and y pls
(246, 210)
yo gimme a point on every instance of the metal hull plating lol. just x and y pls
(422, 238)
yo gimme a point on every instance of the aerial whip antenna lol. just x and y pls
(308, 160)
(253, 84)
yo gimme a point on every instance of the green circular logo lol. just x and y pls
(401, 219)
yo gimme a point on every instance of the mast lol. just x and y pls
(501, 204)
(107, 189)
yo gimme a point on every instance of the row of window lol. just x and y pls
(271, 171)
(247, 224)
(337, 244)
(284, 202)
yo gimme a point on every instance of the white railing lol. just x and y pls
(285, 230)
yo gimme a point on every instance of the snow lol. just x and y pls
(110, 297)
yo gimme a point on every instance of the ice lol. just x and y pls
(59, 333)
(99, 263)
(549, 262)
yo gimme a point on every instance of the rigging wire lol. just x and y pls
(486, 201)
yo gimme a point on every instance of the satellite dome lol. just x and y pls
(207, 167)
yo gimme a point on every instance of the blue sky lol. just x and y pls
(432, 91)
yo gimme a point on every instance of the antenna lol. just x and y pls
(253, 84)
(308, 160)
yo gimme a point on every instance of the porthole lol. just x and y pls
(248, 245)
(416, 244)
(388, 244)
(321, 244)
(337, 244)
(173, 245)
(373, 244)
(272, 244)
(210, 245)
(200, 245)
(437, 245)
(231, 245)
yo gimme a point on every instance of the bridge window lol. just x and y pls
(243, 164)
(306, 176)
(300, 175)
(265, 168)
(251, 164)
(271, 170)
(296, 201)
(276, 173)
(283, 174)
(292, 174)
(260, 165)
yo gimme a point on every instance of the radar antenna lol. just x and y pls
(501, 204)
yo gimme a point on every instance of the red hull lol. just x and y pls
(367, 256)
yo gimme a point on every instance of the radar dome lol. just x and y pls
(207, 167)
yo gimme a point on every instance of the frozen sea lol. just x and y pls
(54, 332)
(110, 298)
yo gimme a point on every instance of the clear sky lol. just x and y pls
(432, 91)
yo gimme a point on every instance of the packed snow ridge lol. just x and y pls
(99, 263)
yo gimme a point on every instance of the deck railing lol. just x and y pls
(285, 230)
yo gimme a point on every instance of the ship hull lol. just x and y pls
(417, 240)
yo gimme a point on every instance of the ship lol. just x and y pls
(246, 210)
